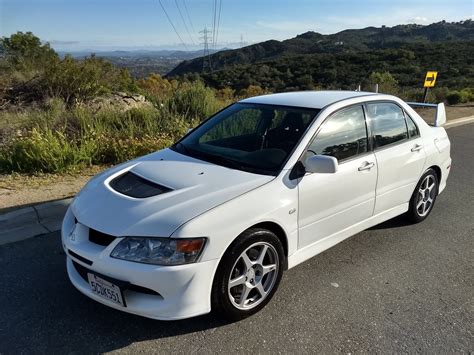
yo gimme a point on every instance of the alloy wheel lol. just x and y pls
(253, 275)
(426, 195)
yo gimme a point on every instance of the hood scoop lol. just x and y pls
(132, 185)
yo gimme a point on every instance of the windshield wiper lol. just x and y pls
(230, 163)
(181, 145)
(218, 159)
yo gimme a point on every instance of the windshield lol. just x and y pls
(252, 137)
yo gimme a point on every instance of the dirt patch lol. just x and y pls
(18, 190)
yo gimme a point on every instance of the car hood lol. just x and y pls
(196, 186)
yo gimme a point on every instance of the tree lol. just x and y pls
(25, 52)
(387, 83)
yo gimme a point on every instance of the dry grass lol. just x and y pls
(452, 112)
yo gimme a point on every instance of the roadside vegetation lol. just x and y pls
(53, 118)
(61, 114)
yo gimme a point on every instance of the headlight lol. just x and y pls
(159, 251)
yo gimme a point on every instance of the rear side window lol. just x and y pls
(388, 123)
(412, 128)
(343, 135)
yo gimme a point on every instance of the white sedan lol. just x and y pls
(212, 222)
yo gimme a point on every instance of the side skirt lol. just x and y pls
(321, 245)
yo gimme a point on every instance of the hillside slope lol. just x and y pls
(346, 58)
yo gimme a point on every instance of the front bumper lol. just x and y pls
(158, 292)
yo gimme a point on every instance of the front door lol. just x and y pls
(329, 203)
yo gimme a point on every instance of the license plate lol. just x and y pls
(105, 289)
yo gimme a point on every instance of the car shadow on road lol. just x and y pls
(396, 222)
(40, 310)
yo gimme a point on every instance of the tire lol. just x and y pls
(424, 197)
(260, 276)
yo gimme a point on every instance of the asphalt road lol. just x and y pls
(394, 288)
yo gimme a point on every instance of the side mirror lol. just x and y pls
(322, 164)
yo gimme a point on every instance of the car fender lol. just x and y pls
(275, 202)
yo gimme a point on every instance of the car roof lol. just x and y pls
(309, 99)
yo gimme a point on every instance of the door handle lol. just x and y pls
(416, 148)
(366, 166)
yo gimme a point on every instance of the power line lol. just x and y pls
(172, 25)
(184, 22)
(218, 23)
(189, 17)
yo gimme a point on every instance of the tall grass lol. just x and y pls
(56, 139)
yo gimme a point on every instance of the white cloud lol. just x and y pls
(288, 26)
(419, 20)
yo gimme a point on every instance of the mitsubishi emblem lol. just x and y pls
(72, 234)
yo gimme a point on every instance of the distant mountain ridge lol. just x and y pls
(312, 46)
(141, 62)
(138, 53)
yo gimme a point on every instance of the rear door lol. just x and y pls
(329, 203)
(399, 153)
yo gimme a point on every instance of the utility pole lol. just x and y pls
(206, 55)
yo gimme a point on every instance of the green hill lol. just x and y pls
(345, 59)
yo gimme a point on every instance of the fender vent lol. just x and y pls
(135, 186)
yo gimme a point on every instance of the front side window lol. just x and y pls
(387, 122)
(343, 135)
(252, 137)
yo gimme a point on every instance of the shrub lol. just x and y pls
(251, 90)
(45, 151)
(193, 101)
(467, 95)
(454, 97)
(157, 88)
(78, 81)
(387, 83)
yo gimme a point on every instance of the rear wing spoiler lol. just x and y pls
(440, 117)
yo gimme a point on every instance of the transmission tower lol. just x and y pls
(206, 55)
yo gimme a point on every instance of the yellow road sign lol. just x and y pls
(430, 79)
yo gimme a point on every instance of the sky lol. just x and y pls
(74, 25)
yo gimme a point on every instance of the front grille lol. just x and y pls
(100, 238)
(135, 186)
(82, 271)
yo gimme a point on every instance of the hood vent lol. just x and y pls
(135, 186)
